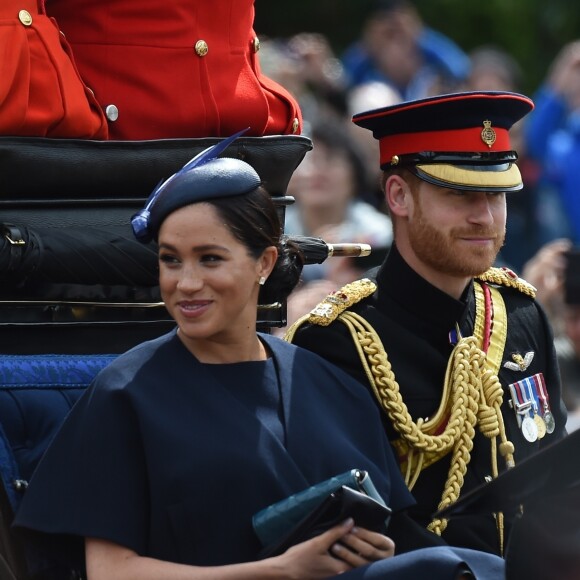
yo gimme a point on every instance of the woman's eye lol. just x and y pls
(168, 259)
(211, 258)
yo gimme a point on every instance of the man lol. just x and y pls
(458, 354)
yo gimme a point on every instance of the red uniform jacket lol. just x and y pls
(175, 68)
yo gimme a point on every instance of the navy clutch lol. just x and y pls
(314, 510)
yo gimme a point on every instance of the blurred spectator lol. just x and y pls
(555, 272)
(307, 67)
(553, 137)
(398, 48)
(321, 70)
(328, 186)
(365, 97)
(493, 69)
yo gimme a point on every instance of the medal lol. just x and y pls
(529, 429)
(530, 402)
(519, 405)
(525, 408)
(549, 420)
(541, 425)
(534, 399)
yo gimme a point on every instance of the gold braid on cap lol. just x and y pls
(472, 393)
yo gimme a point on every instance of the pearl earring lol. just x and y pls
(262, 280)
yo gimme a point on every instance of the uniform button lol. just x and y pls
(201, 48)
(295, 125)
(25, 17)
(256, 44)
(112, 112)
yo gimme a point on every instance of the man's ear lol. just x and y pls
(398, 195)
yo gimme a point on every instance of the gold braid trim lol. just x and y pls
(333, 305)
(337, 302)
(460, 389)
(508, 278)
(472, 394)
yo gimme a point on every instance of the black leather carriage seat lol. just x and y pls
(75, 288)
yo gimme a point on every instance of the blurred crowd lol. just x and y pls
(397, 57)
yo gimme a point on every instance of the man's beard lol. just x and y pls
(439, 251)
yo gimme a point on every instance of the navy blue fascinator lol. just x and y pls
(202, 178)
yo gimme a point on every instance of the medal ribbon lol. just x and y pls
(533, 392)
(520, 398)
(543, 392)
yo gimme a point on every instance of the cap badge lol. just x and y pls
(488, 134)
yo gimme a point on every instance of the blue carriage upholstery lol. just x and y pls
(36, 393)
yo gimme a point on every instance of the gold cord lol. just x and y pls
(472, 393)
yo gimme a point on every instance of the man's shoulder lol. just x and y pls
(330, 329)
(335, 304)
(507, 281)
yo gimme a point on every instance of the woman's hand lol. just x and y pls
(338, 550)
(361, 547)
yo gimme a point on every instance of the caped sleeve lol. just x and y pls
(92, 481)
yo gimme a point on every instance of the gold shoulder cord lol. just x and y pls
(472, 394)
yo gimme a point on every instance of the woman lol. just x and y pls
(164, 460)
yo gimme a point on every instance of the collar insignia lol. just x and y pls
(521, 363)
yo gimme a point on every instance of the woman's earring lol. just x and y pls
(262, 280)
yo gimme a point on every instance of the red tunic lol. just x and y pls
(175, 68)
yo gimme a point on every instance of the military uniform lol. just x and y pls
(468, 383)
(414, 320)
(184, 68)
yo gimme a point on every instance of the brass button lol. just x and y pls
(256, 44)
(112, 112)
(25, 17)
(201, 48)
(295, 125)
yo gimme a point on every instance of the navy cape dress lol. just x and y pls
(171, 457)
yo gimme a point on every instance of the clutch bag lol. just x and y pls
(318, 508)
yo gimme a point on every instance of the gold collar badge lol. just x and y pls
(488, 134)
(521, 363)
